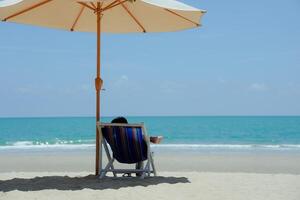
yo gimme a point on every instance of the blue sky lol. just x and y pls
(245, 60)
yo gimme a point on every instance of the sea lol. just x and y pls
(195, 133)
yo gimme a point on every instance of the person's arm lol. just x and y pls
(156, 139)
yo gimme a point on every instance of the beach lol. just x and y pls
(87, 83)
(181, 175)
(207, 158)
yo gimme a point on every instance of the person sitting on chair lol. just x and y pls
(153, 139)
(123, 120)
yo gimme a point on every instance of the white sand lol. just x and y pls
(172, 185)
(207, 176)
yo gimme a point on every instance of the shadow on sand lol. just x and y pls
(79, 183)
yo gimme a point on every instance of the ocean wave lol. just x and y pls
(48, 146)
(89, 144)
(22, 143)
(229, 146)
(56, 144)
(52, 142)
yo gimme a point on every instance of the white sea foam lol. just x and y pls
(47, 146)
(229, 146)
(22, 143)
(89, 144)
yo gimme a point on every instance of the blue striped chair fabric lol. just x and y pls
(127, 143)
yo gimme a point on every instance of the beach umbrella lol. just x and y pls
(110, 16)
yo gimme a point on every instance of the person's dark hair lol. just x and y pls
(120, 120)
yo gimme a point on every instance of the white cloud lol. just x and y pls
(124, 77)
(172, 86)
(259, 87)
(85, 87)
(222, 81)
(121, 81)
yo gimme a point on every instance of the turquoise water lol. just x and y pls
(196, 132)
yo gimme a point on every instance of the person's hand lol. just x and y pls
(156, 139)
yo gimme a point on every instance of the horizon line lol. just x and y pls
(110, 116)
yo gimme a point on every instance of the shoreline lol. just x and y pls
(27, 146)
(270, 162)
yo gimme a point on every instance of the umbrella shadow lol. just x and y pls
(86, 182)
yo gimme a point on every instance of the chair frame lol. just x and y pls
(146, 171)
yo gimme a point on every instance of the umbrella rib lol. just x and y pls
(110, 5)
(182, 17)
(113, 4)
(93, 5)
(88, 6)
(77, 18)
(26, 10)
(133, 17)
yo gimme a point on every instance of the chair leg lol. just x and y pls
(109, 165)
(149, 168)
(146, 170)
(114, 173)
(152, 164)
(139, 165)
(143, 175)
(109, 156)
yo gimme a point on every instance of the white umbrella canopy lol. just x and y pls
(111, 16)
(118, 16)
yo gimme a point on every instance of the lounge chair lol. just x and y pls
(129, 144)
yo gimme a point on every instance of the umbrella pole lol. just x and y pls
(98, 85)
